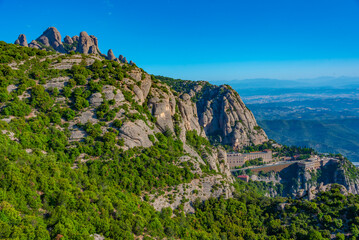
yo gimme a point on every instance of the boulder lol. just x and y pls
(21, 40)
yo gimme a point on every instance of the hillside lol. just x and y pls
(93, 147)
(331, 136)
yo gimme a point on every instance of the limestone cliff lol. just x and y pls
(301, 183)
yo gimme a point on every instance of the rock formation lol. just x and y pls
(21, 40)
(75, 38)
(68, 40)
(87, 44)
(52, 38)
(221, 113)
(110, 55)
(34, 44)
(120, 58)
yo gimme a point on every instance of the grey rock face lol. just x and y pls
(88, 116)
(21, 40)
(121, 58)
(188, 111)
(162, 106)
(223, 114)
(111, 93)
(87, 44)
(110, 55)
(34, 44)
(68, 40)
(52, 38)
(96, 99)
(75, 38)
(136, 134)
(125, 60)
(204, 188)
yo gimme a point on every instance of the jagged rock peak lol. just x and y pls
(52, 38)
(68, 40)
(21, 40)
(110, 55)
(120, 58)
(34, 44)
(125, 60)
(132, 63)
(75, 38)
(88, 44)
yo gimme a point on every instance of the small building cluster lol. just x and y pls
(316, 162)
(238, 159)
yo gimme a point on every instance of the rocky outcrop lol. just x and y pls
(68, 40)
(34, 44)
(202, 189)
(96, 99)
(52, 38)
(75, 38)
(112, 93)
(188, 110)
(224, 117)
(88, 44)
(121, 58)
(135, 134)
(21, 40)
(110, 55)
(162, 106)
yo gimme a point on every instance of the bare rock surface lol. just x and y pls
(112, 93)
(203, 188)
(87, 44)
(96, 99)
(58, 83)
(136, 134)
(68, 40)
(34, 44)
(21, 40)
(110, 55)
(11, 88)
(52, 38)
(88, 116)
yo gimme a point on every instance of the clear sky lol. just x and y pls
(209, 40)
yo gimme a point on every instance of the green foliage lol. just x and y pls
(51, 188)
(40, 98)
(16, 108)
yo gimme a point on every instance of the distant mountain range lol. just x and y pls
(330, 82)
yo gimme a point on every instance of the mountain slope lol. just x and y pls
(333, 136)
(91, 148)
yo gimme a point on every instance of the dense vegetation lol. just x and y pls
(52, 188)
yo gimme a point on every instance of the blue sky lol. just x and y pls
(209, 40)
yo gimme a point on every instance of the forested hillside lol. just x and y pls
(99, 148)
